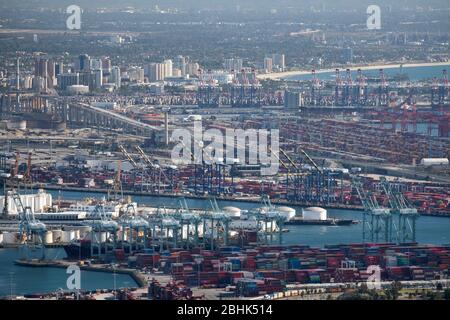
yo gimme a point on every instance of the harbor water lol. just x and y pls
(433, 230)
(26, 280)
(415, 73)
(19, 280)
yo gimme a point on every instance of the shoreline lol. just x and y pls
(286, 74)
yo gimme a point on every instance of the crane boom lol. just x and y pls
(310, 160)
(128, 156)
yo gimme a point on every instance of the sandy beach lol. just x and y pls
(280, 75)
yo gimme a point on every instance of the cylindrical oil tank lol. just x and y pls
(233, 212)
(287, 212)
(48, 239)
(67, 236)
(314, 213)
(83, 231)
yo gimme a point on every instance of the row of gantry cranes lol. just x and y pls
(164, 229)
(181, 228)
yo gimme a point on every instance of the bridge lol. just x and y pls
(76, 114)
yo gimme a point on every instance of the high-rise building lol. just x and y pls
(51, 73)
(168, 68)
(83, 63)
(59, 68)
(233, 64)
(192, 69)
(268, 65)
(278, 61)
(180, 62)
(106, 64)
(40, 67)
(136, 74)
(96, 64)
(156, 72)
(98, 78)
(68, 79)
(116, 77)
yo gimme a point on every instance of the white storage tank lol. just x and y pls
(314, 213)
(233, 212)
(48, 238)
(287, 212)
(67, 236)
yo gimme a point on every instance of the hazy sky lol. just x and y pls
(227, 4)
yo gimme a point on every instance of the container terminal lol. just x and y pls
(360, 122)
(330, 157)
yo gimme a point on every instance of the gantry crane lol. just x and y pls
(101, 224)
(188, 219)
(377, 219)
(157, 171)
(407, 214)
(219, 222)
(134, 230)
(31, 230)
(266, 217)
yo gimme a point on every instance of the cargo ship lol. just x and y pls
(81, 249)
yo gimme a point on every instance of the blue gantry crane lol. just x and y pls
(31, 230)
(102, 224)
(407, 214)
(134, 230)
(377, 220)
